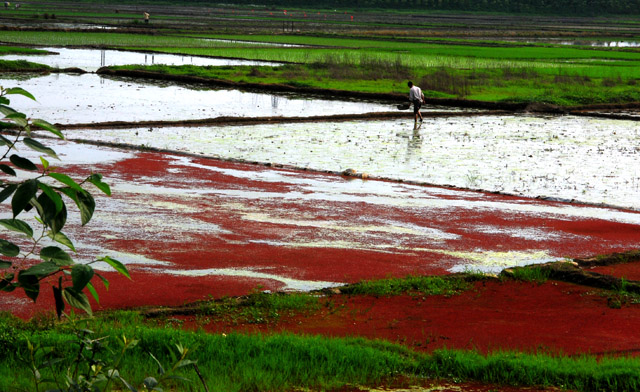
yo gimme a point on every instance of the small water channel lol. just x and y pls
(90, 98)
(92, 59)
(569, 158)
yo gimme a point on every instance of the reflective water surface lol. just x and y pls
(572, 158)
(92, 59)
(90, 98)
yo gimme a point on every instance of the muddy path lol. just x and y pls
(227, 121)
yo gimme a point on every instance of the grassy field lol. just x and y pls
(274, 362)
(464, 69)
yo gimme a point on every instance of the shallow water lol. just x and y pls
(573, 158)
(92, 59)
(90, 98)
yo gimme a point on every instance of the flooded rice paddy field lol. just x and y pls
(224, 228)
(92, 59)
(564, 157)
(91, 98)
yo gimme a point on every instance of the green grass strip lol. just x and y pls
(21, 66)
(426, 285)
(280, 362)
(5, 50)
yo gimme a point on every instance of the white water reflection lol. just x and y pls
(90, 98)
(588, 160)
(92, 59)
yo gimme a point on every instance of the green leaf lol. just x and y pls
(5, 264)
(49, 213)
(81, 274)
(5, 142)
(53, 195)
(60, 238)
(47, 127)
(118, 266)
(17, 225)
(43, 269)
(150, 382)
(17, 116)
(96, 179)
(18, 90)
(185, 362)
(8, 248)
(7, 169)
(87, 205)
(56, 256)
(19, 119)
(37, 146)
(45, 163)
(6, 110)
(29, 284)
(85, 202)
(57, 295)
(77, 300)
(6, 285)
(126, 384)
(93, 292)
(161, 370)
(8, 191)
(21, 199)
(23, 163)
(65, 179)
(104, 281)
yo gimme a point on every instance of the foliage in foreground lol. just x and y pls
(280, 362)
(38, 191)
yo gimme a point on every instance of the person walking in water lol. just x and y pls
(417, 98)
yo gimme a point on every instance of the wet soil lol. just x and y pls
(553, 317)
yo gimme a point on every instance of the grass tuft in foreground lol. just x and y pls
(281, 362)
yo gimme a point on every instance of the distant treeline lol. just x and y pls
(562, 7)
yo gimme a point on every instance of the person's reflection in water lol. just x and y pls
(414, 143)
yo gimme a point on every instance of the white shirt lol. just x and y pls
(415, 94)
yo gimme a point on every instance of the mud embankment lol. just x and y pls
(226, 120)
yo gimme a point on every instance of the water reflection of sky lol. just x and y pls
(588, 160)
(89, 98)
(92, 59)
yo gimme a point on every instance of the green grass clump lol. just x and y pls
(583, 373)
(260, 308)
(532, 274)
(425, 285)
(5, 50)
(22, 66)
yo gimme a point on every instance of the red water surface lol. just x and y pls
(235, 227)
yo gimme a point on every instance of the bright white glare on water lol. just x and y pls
(90, 98)
(572, 158)
(92, 59)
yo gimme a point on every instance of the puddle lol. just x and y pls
(92, 59)
(568, 158)
(90, 98)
